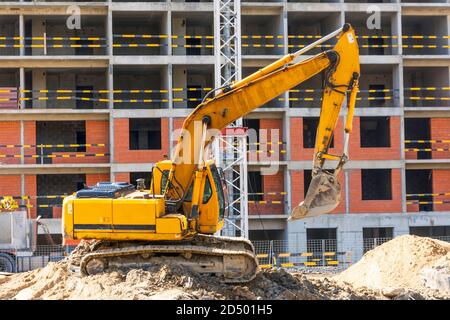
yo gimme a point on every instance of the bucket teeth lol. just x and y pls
(322, 197)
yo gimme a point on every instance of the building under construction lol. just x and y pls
(95, 92)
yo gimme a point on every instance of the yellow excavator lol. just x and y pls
(178, 217)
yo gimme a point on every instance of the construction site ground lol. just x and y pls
(394, 270)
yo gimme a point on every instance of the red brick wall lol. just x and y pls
(441, 184)
(121, 142)
(31, 190)
(10, 185)
(357, 205)
(275, 184)
(297, 190)
(391, 153)
(92, 179)
(440, 130)
(10, 134)
(29, 129)
(122, 177)
(298, 152)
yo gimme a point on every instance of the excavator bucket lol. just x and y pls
(322, 197)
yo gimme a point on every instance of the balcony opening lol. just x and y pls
(9, 84)
(434, 26)
(425, 86)
(420, 182)
(375, 132)
(59, 132)
(310, 131)
(377, 41)
(418, 129)
(9, 28)
(145, 134)
(376, 184)
(193, 33)
(376, 87)
(307, 27)
(149, 81)
(260, 34)
(191, 84)
(89, 40)
(140, 33)
(56, 185)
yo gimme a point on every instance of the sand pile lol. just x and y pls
(397, 264)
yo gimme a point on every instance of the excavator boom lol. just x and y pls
(233, 102)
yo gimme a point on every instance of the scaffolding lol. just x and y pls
(231, 148)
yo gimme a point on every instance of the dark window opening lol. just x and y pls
(310, 131)
(255, 186)
(306, 181)
(145, 134)
(147, 176)
(84, 49)
(430, 231)
(194, 50)
(379, 95)
(379, 232)
(375, 46)
(375, 132)
(373, 237)
(83, 104)
(420, 181)
(81, 139)
(252, 124)
(418, 129)
(376, 184)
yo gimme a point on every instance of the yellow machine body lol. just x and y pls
(140, 215)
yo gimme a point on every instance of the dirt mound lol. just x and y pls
(169, 282)
(396, 264)
(389, 271)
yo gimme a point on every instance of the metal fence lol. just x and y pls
(30, 260)
(313, 255)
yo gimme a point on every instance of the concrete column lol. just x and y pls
(22, 35)
(39, 83)
(396, 30)
(109, 32)
(21, 88)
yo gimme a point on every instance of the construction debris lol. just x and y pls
(390, 271)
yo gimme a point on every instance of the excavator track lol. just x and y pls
(231, 259)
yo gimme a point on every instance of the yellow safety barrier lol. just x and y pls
(71, 145)
(427, 141)
(427, 194)
(35, 156)
(427, 149)
(428, 202)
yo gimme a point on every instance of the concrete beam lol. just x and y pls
(55, 8)
(427, 112)
(37, 62)
(426, 61)
(351, 164)
(425, 9)
(427, 164)
(163, 60)
(131, 167)
(55, 168)
(53, 114)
